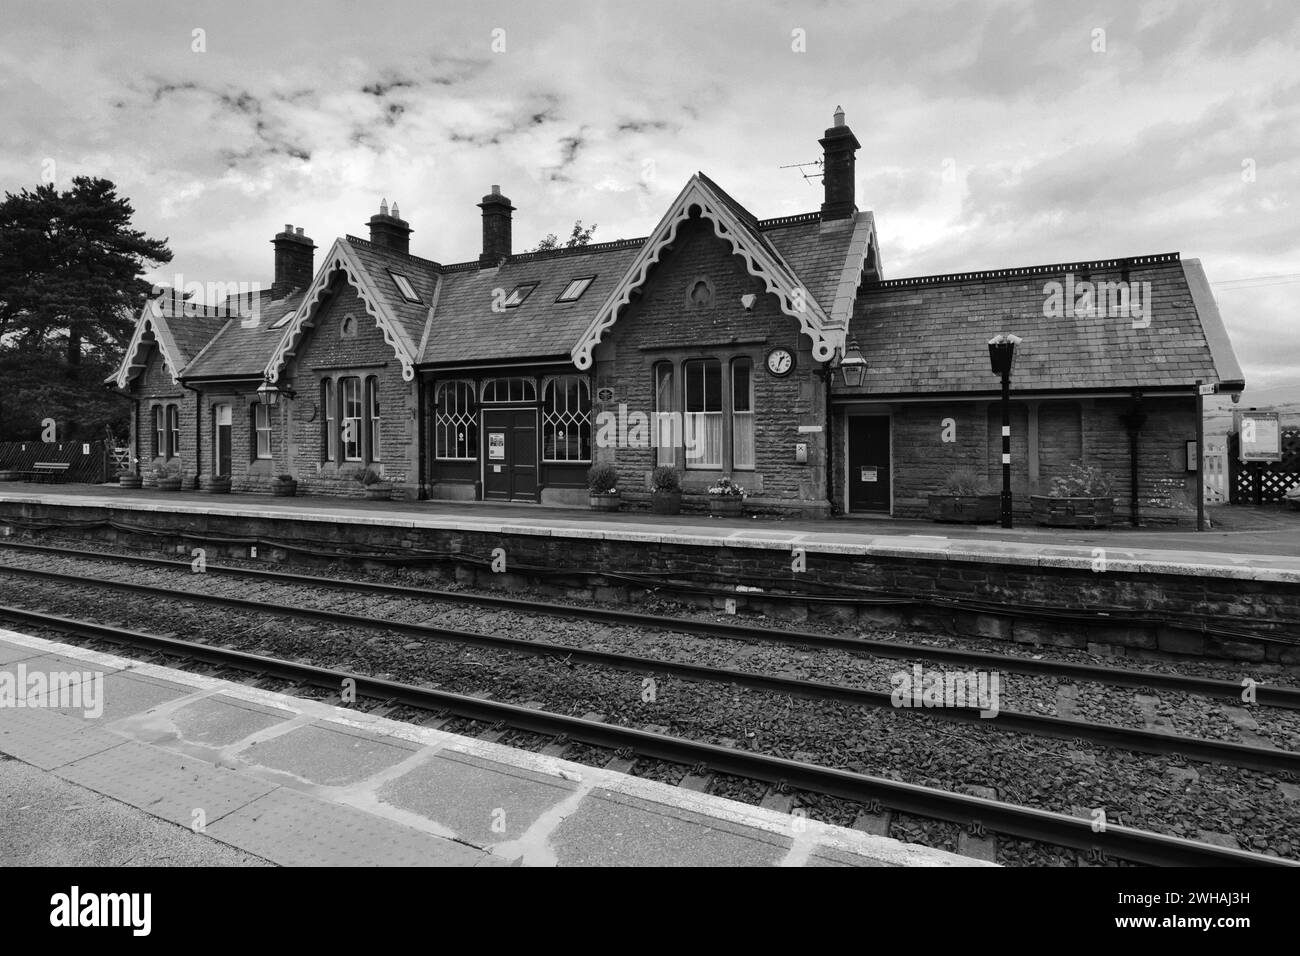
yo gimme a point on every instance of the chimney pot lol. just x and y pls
(496, 228)
(390, 230)
(294, 265)
(839, 158)
(383, 206)
(395, 213)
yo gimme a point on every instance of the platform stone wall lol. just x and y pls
(1265, 613)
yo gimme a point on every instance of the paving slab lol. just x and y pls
(329, 756)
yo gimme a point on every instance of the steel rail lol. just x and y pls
(1265, 694)
(1241, 755)
(1014, 820)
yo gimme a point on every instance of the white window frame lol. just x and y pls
(262, 427)
(563, 419)
(346, 386)
(570, 294)
(694, 421)
(746, 417)
(448, 414)
(404, 287)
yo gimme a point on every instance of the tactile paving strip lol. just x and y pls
(168, 785)
(47, 739)
(294, 829)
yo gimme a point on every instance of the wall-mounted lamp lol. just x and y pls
(269, 394)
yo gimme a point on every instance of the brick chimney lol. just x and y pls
(294, 267)
(839, 155)
(390, 230)
(496, 229)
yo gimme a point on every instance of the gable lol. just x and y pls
(701, 199)
(342, 260)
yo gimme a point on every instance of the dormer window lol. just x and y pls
(521, 292)
(404, 286)
(285, 320)
(573, 291)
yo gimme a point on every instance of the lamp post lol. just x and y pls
(1002, 356)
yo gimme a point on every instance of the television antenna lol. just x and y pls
(816, 165)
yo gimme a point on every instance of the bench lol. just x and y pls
(51, 470)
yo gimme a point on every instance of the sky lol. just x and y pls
(994, 134)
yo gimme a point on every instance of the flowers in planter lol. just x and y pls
(1082, 481)
(725, 487)
(964, 482)
(665, 478)
(369, 477)
(602, 479)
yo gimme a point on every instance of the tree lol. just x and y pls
(579, 237)
(71, 284)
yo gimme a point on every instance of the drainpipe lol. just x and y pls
(1133, 420)
(830, 445)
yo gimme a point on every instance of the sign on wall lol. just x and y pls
(1260, 436)
(496, 446)
(868, 473)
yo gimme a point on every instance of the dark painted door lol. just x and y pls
(510, 454)
(869, 463)
(221, 435)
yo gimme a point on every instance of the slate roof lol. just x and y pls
(816, 257)
(379, 262)
(930, 334)
(237, 351)
(465, 329)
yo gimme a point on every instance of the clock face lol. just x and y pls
(780, 362)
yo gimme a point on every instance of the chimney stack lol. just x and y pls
(496, 229)
(839, 156)
(294, 266)
(390, 230)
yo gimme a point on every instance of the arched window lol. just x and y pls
(372, 411)
(455, 422)
(509, 390)
(566, 419)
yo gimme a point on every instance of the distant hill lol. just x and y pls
(1284, 399)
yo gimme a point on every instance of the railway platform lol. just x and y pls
(292, 781)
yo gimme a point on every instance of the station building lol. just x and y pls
(714, 345)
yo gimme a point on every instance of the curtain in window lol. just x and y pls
(350, 394)
(173, 431)
(159, 432)
(372, 409)
(330, 440)
(742, 414)
(667, 430)
(703, 418)
(262, 430)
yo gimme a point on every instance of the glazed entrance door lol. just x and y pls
(221, 439)
(510, 454)
(869, 463)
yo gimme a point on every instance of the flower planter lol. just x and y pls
(215, 486)
(169, 484)
(9, 475)
(726, 505)
(284, 489)
(1072, 512)
(129, 481)
(965, 509)
(379, 492)
(666, 502)
(604, 502)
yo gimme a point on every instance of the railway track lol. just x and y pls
(1266, 694)
(975, 813)
(1112, 735)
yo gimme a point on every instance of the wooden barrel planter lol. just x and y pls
(382, 491)
(215, 485)
(129, 481)
(726, 506)
(965, 509)
(284, 487)
(1072, 512)
(666, 502)
(604, 502)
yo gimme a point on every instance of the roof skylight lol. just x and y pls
(521, 292)
(573, 291)
(404, 286)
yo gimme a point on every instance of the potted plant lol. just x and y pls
(666, 498)
(216, 484)
(726, 498)
(167, 477)
(602, 487)
(284, 486)
(964, 497)
(1081, 498)
(128, 477)
(374, 485)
